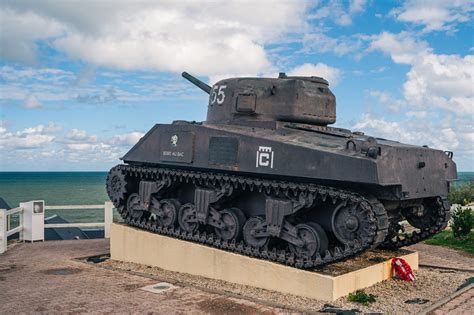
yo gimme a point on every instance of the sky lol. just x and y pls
(82, 81)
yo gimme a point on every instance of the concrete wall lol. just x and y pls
(133, 245)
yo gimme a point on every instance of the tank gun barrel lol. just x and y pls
(203, 86)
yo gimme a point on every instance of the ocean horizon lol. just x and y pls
(57, 188)
(76, 188)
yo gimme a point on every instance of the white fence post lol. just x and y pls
(3, 230)
(21, 222)
(108, 216)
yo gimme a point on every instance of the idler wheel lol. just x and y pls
(134, 208)
(187, 218)
(233, 220)
(116, 186)
(351, 223)
(254, 232)
(167, 214)
(424, 216)
(314, 240)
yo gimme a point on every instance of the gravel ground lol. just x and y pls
(431, 284)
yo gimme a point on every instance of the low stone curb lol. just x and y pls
(446, 268)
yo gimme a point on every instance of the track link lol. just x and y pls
(442, 216)
(376, 213)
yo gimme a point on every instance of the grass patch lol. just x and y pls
(361, 297)
(446, 238)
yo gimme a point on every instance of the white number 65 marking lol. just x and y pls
(218, 94)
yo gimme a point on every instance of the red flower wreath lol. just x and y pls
(402, 269)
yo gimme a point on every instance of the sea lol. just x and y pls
(76, 188)
(57, 188)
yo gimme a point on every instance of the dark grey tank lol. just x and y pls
(266, 176)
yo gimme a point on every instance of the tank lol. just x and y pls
(267, 176)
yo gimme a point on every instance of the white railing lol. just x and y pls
(108, 211)
(34, 226)
(5, 231)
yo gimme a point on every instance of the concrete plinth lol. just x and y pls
(133, 245)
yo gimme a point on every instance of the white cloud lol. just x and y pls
(76, 135)
(206, 38)
(336, 11)
(50, 147)
(31, 102)
(435, 15)
(80, 146)
(333, 75)
(453, 135)
(21, 31)
(32, 86)
(442, 81)
(379, 69)
(387, 100)
(417, 114)
(402, 47)
(48, 129)
(28, 138)
(357, 6)
(217, 77)
(90, 145)
(109, 95)
(127, 139)
(436, 87)
(52, 128)
(322, 43)
(411, 131)
(49, 75)
(85, 76)
(21, 91)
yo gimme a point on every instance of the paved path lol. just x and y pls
(44, 277)
(439, 256)
(460, 304)
(442, 257)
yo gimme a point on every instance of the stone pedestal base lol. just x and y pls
(133, 245)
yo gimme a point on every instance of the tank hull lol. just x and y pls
(301, 152)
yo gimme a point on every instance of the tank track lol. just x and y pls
(377, 216)
(442, 217)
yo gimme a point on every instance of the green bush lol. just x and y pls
(462, 194)
(462, 221)
(361, 297)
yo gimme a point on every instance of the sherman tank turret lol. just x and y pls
(266, 176)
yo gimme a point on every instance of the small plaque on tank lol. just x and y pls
(223, 150)
(177, 146)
